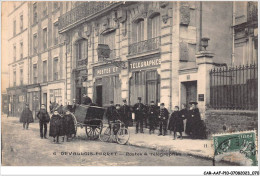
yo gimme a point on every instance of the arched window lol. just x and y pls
(154, 26)
(81, 51)
(138, 31)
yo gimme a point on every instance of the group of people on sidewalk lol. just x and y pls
(61, 122)
(158, 116)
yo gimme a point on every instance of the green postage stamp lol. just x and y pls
(241, 145)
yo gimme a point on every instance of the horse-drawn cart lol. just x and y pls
(89, 117)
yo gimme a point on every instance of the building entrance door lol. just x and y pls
(191, 91)
(99, 95)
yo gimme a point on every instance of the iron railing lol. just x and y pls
(144, 46)
(234, 88)
(82, 11)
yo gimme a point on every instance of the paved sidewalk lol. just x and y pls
(194, 147)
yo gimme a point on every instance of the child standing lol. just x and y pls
(69, 125)
(55, 126)
(176, 122)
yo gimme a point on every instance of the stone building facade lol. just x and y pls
(155, 50)
(17, 56)
(154, 43)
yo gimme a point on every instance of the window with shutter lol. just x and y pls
(44, 33)
(21, 50)
(154, 26)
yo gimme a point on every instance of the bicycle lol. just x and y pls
(115, 132)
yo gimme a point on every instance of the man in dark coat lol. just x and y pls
(176, 122)
(70, 125)
(44, 118)
(26, 117)
(152, 116)
(193, 121)
(110, 112)
(86, 100)
(74, 105)
(56, 126)
(125, 113)
(163, 119)
(139, 110)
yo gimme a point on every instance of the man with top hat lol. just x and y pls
(26, 117)
(163, 119)
(125, 113)
(139, 110)
(152, 116)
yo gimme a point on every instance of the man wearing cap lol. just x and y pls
(152, 116)
(139, 110)
(110, 111)
(125, 113)
(26, 117)
(163, 119)
(44, 118)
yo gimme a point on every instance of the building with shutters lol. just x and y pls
(18, 56)
(155, 50)
(153, 47)
(46, 55)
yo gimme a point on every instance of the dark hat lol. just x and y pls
(124, 100)
(139, 98)
(117, 104)
(152, 101)
(176, 107)
(111, 101)
(162, 104)
(193, 102)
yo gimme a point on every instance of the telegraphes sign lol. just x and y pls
(105, 70)
(240, 144)
(144, 63)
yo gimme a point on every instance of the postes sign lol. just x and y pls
(105, 70)
(144, 63)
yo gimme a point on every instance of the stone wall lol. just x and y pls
(232, 119)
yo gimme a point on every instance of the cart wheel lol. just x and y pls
(75, 123)
(122, 136)
(93, 131)
(105, 134)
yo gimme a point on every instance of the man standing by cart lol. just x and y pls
(110, 111)
(139, 109)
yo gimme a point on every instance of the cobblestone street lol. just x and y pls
(25, 148)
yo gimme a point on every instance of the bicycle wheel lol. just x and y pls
(104, 136)
(122, 136)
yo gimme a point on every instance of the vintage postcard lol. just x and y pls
(129, 83)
